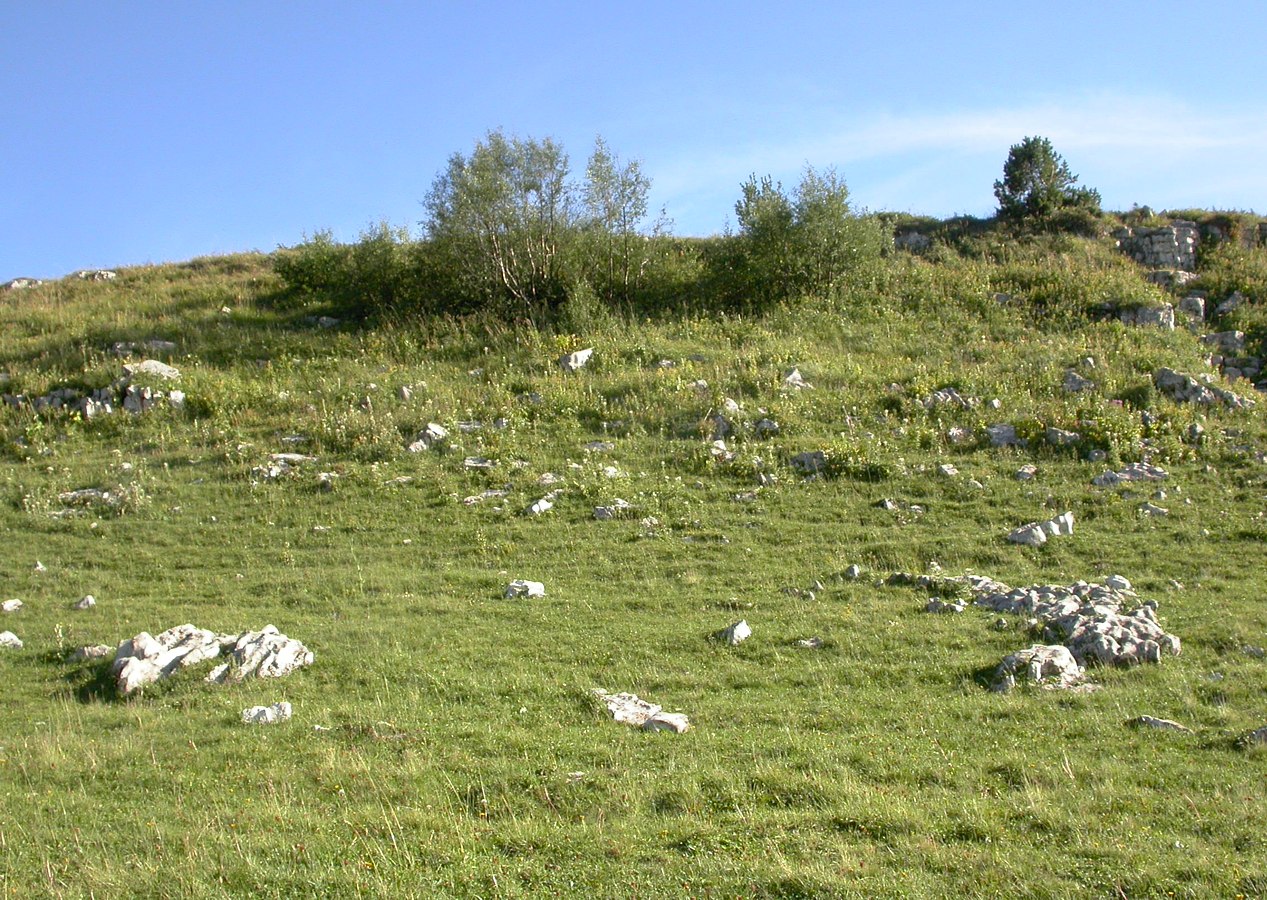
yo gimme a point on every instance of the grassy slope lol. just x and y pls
(457, 719)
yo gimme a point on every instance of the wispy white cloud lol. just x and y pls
(1145, 148)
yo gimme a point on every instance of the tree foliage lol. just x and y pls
(803, 244)
(1039, 191)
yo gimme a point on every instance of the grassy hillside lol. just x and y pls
(446, 740)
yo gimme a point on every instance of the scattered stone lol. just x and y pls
(491, 494)
(1149, 316)
(599, 447)
(795, 381)
(947, 470)
(628, 709)
(1228, 342)
(734, 634)
(1035, 534)
(127, 348)
(1059, 438)
(854, 572)
(326, 480)
(949, 396)
(521, 588)
(87, 602)
(810, 643)
(1003, 435)
(266, 715)
(1132, 472)
(21, 284)
(40, 567)
(937, 605)
(544, 505)
(1150, 510)
(479, 463)
(765, 428)
(618, 509)
(328, 322)
(11, 606)
(1048, 665)
(1234, 301)
(810, 462)
(1075, 383)
(574, 362)
(153, 368)
(429, 437)
(958, 435)
(96, 275)
(1194, 306)
(1026, 473)
(266, 653)
(10, 640)
(1253, 652)
(1159, 724)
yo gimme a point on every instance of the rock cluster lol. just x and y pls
(1091, 619)
(1186, 389)
(122, 394)
(145, 658)
(1170, 247)
(1035, 534)
(429, 437)
(1133, 472)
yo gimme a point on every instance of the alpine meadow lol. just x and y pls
(844, 554)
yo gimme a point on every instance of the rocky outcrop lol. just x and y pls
(1172, 246)
(629, 709)
(145, 658)
(1187, 389)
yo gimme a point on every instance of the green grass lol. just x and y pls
(453, 723)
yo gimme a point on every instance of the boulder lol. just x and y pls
(88, 601)
(10, 640)
(11, 606)
(151, 367)
(146, 658)
(1049, 665)
(429, 437)
(266, 715)
(521, 588)
(266, 653)
(574, 362)
(734, 634)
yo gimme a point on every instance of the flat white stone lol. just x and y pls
(267, 715)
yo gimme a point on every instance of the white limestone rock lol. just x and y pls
(429, 437)
(153, 368)
(1158, 724)
(10, 640)
(1048, 665)
(629, 709)
(266, 653)
(574, 362)
(11, 606)
(734, 634)
(88, 601)
(146, 658)
(267, 715)
(796, 381)
(90, 652)
(521, 588)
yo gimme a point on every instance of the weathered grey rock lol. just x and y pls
(1151, 510)
(1194, 306)
(151, 367)
(574, 362)
(949, 396)
(854, 572)
(810, 643)
(96, 275)
(88, 601)
(1158, 724)
(429, 437)
(629, 709)
(1234, 301)
(10, 640)
(1226, 342)
(522, 588)
(912, 241)
(1256, 737)
(1149, 316)
(266, 653)
(616, 510)
(491, 494)
(146, 658)
(267, 715)
(22, 284)
(1049, 665)
(1003, 435)
(811, 462)
(11, 606)
(1027, 472)
(1035, 534)
(1074, 383)
(1058, 437)
(947, 470)
(153, 345)
(1172, 246)
(1132, 472)
(937, 605)
(478, 463)
(766, 428)
(734, 634)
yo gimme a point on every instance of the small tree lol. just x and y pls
(501, 217)
(1038, 189)
(615, 204)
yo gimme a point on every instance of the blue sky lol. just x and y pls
(139, 132)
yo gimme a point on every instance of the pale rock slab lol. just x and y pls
(734, 634)
(11, 606)
(267, 715)
(1158, 724)
(266, 653)
(10, 640)
(521, 588)
(146, 658)
(574, 362)
(1051, 664)
(629, 709)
